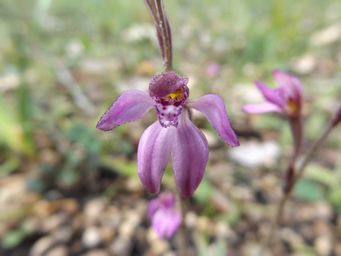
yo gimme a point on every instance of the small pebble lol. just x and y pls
(41, 246)
(97, 253)
(58, 251)
(191, 219)
(159, 247)
(323, 245)
(121, 246)
(94, 208)
(91, 237)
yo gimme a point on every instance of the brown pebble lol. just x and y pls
(41, 246)
(58, 251)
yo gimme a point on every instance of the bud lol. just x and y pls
(164, 216)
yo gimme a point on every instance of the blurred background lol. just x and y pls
(69, 189)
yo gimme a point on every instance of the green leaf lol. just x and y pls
(234, 214)
(321, 175)
(36, 185)
(335, 198)
(25, 116)
(15, 237)
(68, 176)
(11, 133)
(204, 192)
(119, 165)
(9, 166)
(85, 137)
(315, 124)
(12, 239)
(221, 249)
(308, 190)
(202, 244)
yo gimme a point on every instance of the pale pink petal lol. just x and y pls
(189, 155)
(289, 82)
(272, 95)
(213, 107)
(261, 108)
(164, 215)
(152, 155)
(166, 222)
(130, 106)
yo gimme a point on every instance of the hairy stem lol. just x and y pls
(163, 31)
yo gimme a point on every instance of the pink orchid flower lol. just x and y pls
(173, 135)
(164, 216)
(286, 99)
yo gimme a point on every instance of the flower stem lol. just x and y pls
(300, 171)
(163, 31)
(183, 232)
(296, 126)
(302, 165)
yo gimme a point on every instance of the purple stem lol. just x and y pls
(296, 126)
(163, 31)
(335, 120)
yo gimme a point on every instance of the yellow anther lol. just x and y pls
(292, 105)
(178, 95)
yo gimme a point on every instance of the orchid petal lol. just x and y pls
(289, 82)
(261, 108)
(213, 107)
(189, 155)
(130, 106)
(271, 95)
(166, 222)
(164, 215)
(152, 155)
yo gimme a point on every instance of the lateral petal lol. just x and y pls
(261, 108)
(289, 83)
(271, 95)
(129, 106)
(213, 107)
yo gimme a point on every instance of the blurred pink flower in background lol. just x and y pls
(213, 69)
(286, 99)
(164, 216)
